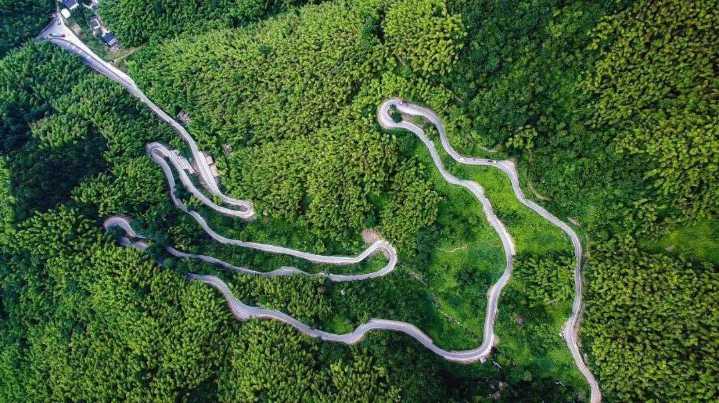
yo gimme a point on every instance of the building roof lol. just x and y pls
(109, 38)
(71, 4)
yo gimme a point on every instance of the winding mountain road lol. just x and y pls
(159, 154)
(246, 312)
(58, 33)
(137, 241)
(571, 327)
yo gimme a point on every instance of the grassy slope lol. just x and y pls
(698, 241)
(466, 260)
(537, 343)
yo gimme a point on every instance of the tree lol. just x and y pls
(661, 108)
(652, 318)
(22, 20)
(423, 35)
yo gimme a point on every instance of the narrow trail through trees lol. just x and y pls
(58, 33)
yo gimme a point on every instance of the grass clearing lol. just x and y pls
(466, 259)
(529, 337)
(698, 241)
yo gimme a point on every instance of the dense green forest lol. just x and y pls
(611, 109)
(22, 20)
(137, 22)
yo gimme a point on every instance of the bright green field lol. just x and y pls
(537, 342)
(698, 241)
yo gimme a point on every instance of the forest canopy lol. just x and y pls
(136, 22)
(22, 20)
(609, 108)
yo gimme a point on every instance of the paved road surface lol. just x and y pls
(137, 241)
(571, 327)
(246, 312)
(60, 35)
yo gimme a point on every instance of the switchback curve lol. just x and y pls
(58, 33)
(244, 312)
(571, 327)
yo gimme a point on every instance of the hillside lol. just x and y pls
(609, 111)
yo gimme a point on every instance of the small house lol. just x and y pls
(70, 4)
(95, 26)
(208, 158)
(90, 4)
(109, 39)
(184, 117)
(211, 164)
